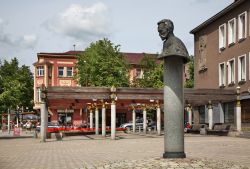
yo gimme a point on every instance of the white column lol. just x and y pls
(96, 121)
(133, 118)
(103, 120)
(17, 117)
(237, 116)
(189, 109)
(44, 121)
(158, 114)
(113, 120)
(9, 121)
(144, 120)
(210, 115)
(91, 118)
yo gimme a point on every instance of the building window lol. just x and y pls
(242, 68)
(60, 71)
(38, 94)
(242, 25)
(231, 31)
(138, 73)
(40, 71)
(231, 71)
(222, 36)
(69, 71)
(228, 112)
(202, 113)
(222, 77)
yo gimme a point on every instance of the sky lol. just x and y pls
(28, 27)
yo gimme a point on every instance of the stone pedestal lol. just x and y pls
(113, 120)
(173, 108)
(44, 121)
(104, 121)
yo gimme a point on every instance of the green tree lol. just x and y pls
(102, 64)
(16, 88)
(152, 73)
(190, 82)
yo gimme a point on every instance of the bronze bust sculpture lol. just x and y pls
(172, 46)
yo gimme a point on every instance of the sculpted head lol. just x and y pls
(165, 28)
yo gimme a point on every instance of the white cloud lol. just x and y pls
(199, 1)
(84, 23)
(28, 41)
(8, 40)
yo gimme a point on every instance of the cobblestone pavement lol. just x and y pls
(129, 151)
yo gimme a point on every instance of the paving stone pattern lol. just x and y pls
(129, 151)
(159, 163)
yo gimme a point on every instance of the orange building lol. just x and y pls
(57, 69)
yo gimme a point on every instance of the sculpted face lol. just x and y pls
(163, 31)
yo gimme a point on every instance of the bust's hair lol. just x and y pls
(168, 23)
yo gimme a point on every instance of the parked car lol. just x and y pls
(129, 126)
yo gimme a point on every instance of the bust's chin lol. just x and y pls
(163, 37)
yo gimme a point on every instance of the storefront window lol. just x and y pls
(229, 112)
(245, 111)
(202, 114)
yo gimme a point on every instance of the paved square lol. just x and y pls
(80, 151)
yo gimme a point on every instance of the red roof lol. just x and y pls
(135, 58)
(132, 58)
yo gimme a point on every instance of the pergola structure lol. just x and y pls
(112, 99)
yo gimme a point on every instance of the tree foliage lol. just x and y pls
(102, 64)
(190, 82)
(16, 85)
(152, 73)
